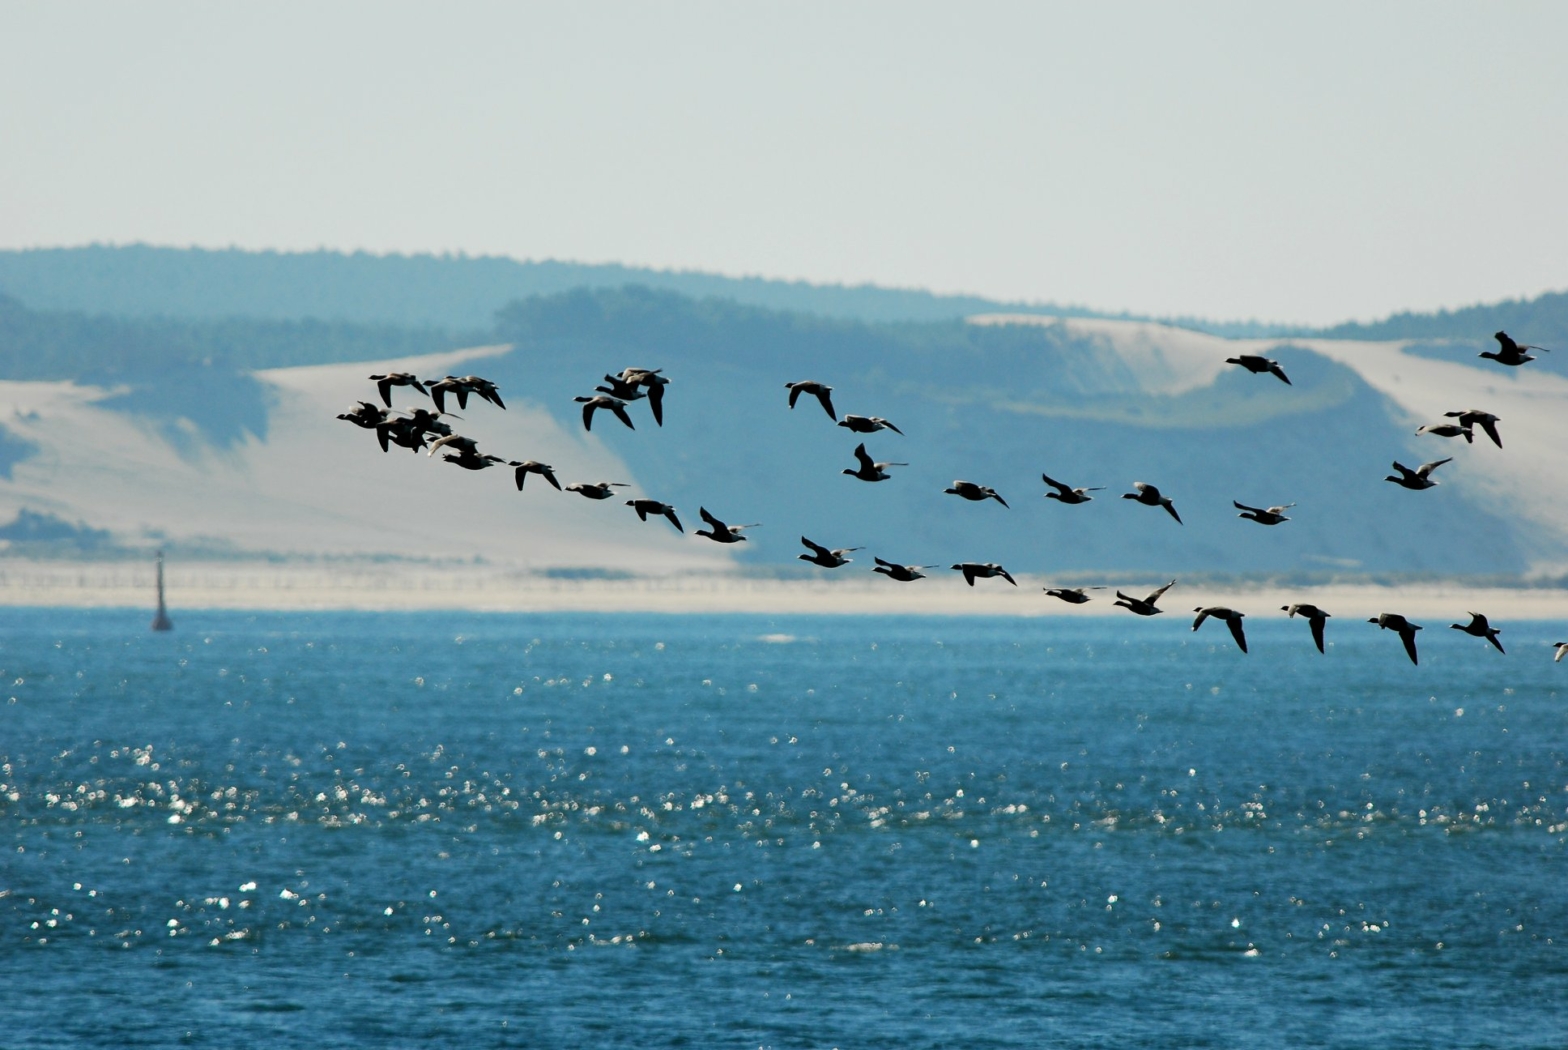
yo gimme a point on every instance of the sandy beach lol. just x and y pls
(490, 588)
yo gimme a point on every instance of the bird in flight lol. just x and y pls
(1232, 620)
(1417, 479)
(1150, 496)
(1258, 365)
(1262, 515)
(1315, 617)
(1066, 493)
(1405, 629)
(1143, 606)
(821, 391)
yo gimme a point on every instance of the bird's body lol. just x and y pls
(1263, 515)
(867, 470)
(1232, 620)
(719, 532)
(385, 383)
(867, 424)
(970, 491)
(593, 404)
(409, 431)
(1417, 479)
(1474, 417)
(828, 559)
(1071, 595)
(1562, 648)
(645, 507)
(1403, 627)
(1066, 493)
(1509, 352)
(1479, 628)
(821, 391)
(530, 466)
(1447, 430)
(649, 378)
(462, 386)
(470, 460)
(466, 446)
(901, 573)
(364, 414)
(973, 570)
(1143, 606)
(1150, 496)
(1314, 616)
(1258, 365)
(596, 489)
(620, 389)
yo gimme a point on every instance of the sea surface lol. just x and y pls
(454, 830)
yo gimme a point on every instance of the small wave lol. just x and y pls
(777, 639)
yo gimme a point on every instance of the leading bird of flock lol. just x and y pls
(1259, 365)
(1066, 493)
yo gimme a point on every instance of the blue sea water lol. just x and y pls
(362, 830)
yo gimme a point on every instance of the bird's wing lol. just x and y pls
(817, 548)
(709, 518)
(549, 475)
(1143, 486)
(1281, 509)
(494, 396)
(1243, 506)
(588, 407)
(1407, 634)
(1237, 633)
(385, 386)
(1008, 576)
(824, 396)
(997, 496)
(1168, 505)
(656, 402)
(794, 394)
(863, 458)
(620, 413)
(1277, 370)
(441, 442)
(381, 435)
(1316, 623)
(438, 395)
(1203, 614)
(1057, 485)
(892, 427)
(462, 397)
(1151, 599)
(1426, 468)
(522, 475)
(879, 561)
(1490, 426)
(1405, 472)
(1492, 637)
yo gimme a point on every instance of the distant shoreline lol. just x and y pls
(370, 586)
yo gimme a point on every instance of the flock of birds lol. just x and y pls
(421, 429)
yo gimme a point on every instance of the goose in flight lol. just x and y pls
(365, 415)
(970, 491)
(1258, 365)
(820, 555)
(462, 386)
(466, 446)
(869, 471)
(1474, 417)
(1562, 647)
(1315, 617)
(593, 404)
(868, 424)
(650, 378)
(1447, 430)
(531, 466)
(470, 460)
(1406, 630)
(1066, 493)
(645, 507)
(1479, 628)
(1232, 620)
(1150, 496)
(1262, 515)
(820, 391)
(722, 533)
(620, 389)
(1509, 352)
(1143, 606)
(409, 431)
(385, 383)
(1071, 595)
(1417, 479)
(596, 490)
(972, 570)
(901, 573)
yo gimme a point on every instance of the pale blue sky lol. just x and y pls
(1310, 162)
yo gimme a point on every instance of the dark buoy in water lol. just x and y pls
(161, 622)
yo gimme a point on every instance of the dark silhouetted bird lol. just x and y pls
(1315, 617)
(1066, 493)
(596, 489)
(1150, 496)
(1258, 365)
(1474, 417)
(1417, 479)
(820, 391)
(869, 471)
(820, 555)
(867, 424)
(1263, 515)
(901, 573)
(970, 491)
(645, 507)
(1071, 595)
(462, 386)
(365, 414)
(530, 466)
(385, 383)
(470, 460)
(593, 404)
(1509, 352)
(1480, 629)
(1232, 620)
(972, 570)
(1405, 629)
(722, 533)
(1143, 606)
